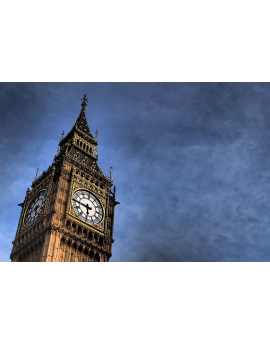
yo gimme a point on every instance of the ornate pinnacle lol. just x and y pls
(84, 100)
(111, 170)
(62, 137)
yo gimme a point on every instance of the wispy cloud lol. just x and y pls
(190, 162)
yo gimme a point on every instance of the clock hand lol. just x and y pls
(87, 206)
(79, 202)
(76, 201)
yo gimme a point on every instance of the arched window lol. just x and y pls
(79, 230)
(71, 257)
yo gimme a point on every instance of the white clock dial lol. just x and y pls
(35, 208)
(87, 207)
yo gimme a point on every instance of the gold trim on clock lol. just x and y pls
(38, 205)
(87, 207)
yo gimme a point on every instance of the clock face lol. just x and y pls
(35, 208)
(87, 207)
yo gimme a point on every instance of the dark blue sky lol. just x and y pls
(190, 162)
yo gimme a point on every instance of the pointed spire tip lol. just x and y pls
(84, 102)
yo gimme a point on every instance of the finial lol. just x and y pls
(96, 133)
(111, 170)
(63, 134)
(37, 172)
(84, 100)
(58, 150)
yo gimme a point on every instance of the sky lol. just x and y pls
(191, 163)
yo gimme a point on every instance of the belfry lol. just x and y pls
(68, 214)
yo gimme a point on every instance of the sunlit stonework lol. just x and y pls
(68, 214)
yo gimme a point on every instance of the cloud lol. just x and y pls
(190, 162)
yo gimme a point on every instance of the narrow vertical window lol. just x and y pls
(71, 257)
(65, 256)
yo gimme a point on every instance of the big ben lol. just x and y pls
(68, 214)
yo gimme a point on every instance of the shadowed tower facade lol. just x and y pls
(68, 214)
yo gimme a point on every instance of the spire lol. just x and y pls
(81, 126)
(81, 122)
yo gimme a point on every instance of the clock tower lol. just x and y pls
(68, 214)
